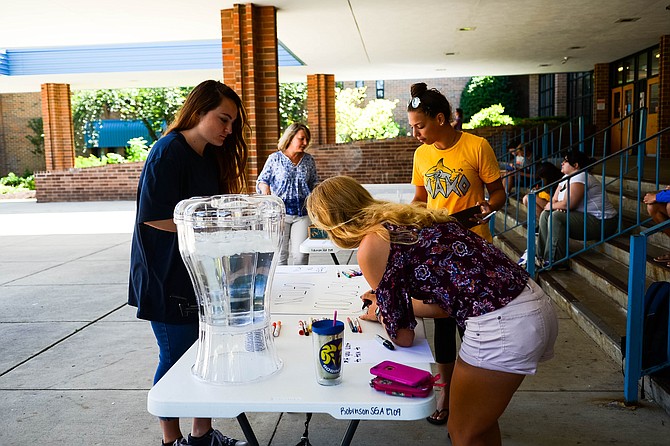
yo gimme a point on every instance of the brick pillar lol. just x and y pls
(58, 128)
(250, 67)
(601, 95)
(533, 95)
(4, 168)
(561, 94)
(321, 108)
(664, 87)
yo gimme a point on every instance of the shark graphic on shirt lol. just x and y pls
(441, 180)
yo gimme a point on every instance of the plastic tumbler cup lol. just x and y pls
(327, 340)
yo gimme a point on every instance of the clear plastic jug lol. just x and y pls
(230, 245)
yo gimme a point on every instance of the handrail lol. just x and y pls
(637, 268)
(519, 177)
(621, 154)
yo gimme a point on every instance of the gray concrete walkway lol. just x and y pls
(76, 366)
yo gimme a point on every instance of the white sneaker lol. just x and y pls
(523, 260)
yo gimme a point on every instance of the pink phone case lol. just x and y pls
(394, 388)
(400, 373)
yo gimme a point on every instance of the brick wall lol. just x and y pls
(58, 129)
(533, 95)
(373, 162)
(105, 183)
(16, 109)
(664, 75)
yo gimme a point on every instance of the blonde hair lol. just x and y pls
(290, 133)
(347, 212)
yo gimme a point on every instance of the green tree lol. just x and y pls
(37, 138)
(292, 100)
(354, 122)
(484, 91)
(153, 106)
(492, 116)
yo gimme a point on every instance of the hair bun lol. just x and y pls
(418, 89)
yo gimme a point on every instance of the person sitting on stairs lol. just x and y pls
(658, 207)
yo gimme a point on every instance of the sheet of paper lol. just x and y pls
(372, 352)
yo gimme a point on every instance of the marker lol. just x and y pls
(385, 342)
(357, 324)
(302, 328)
(366, 304)
(351, 325)
(277, 328)
(307, 328)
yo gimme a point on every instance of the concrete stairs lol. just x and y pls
(594, 292)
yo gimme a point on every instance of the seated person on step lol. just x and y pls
(556, 224)
(658, 207)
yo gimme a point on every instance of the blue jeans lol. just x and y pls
(173, 340)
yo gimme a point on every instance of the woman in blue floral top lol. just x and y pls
(290, 174)
(423, 263)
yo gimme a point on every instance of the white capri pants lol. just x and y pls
(514, 338)
(295, 232)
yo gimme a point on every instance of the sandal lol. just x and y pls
(665, 258)
(440, 416)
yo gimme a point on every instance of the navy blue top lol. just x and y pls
(292, 183)
(172, 172)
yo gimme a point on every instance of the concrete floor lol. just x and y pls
(76, 365)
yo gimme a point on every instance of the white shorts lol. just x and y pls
(515, 337)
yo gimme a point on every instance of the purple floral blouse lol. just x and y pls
(450, 266)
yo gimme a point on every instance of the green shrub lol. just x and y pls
(137, 150)
(13, 181)
(489, 117)
(81, 162)
(354, 122)
(483, 91)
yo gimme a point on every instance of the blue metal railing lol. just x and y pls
(626, 171)
(637, 273)
(523, 181)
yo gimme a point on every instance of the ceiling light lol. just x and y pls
(449, 54)
(468, 28)
(576, 48)
(627, 20)
(544, 65)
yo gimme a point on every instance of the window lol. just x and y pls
(380, 89)
(580, 95)
(655, 62)
(546, 95)
(360, 84)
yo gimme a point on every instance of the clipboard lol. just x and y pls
(465, 215)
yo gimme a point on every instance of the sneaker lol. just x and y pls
(214, 438)
(178, 442)
(523, 260)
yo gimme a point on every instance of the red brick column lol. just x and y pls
(58, 129)
(601, 94)
(321, 108)
(533, 95)
(561, 94)
(664, 87)
(250, 67)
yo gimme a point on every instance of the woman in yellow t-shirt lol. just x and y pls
(452, 170)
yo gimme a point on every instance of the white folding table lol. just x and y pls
(293, 388)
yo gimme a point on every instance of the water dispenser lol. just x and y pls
(230, 245)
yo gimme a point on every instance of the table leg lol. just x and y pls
(247, 430)
(349, 434)
(335, 261)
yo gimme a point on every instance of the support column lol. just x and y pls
(533, 95)
(601, 95)
(58, 128)
(664, 93)
(321, 108)
(561, 94)
(250, 67)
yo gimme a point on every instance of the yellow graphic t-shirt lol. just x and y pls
(455, 178)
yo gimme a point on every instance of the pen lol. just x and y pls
(385, 342)
(357, 324)
(351, 325)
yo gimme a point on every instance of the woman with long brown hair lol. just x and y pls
(202, 153)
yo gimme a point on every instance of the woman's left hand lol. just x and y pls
(486, 210)
(371, 308)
